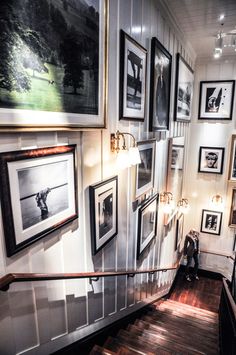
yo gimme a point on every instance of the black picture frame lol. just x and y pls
(133, 74)
(145, 169)
(216, 99)
(232, 216)
(38, 193)
(211, 160)
(160, 85)
(147, 223)
(211, 222)
(184, 78)
(232, 165)
(57, 77)
(179, 230)
(103, 198)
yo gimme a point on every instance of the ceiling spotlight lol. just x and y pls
(222, 16)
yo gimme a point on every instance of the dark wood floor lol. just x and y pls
(203, 293)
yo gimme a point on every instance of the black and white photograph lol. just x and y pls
(232, 217)
(211, 160)
(211, 222)
(57, 66)
(40, 196)
(133, 64)
(179, 230)
(145, 169)
(160, 81)
(183, 90)
(216, 100)
(147, 222)
(232, 165)
(103, 200)
(177, 157)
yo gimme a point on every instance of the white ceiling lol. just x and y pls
(199, 21)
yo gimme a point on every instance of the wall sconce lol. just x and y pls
(167, 199)
(183, 205)
(217, 200)
(125, 157)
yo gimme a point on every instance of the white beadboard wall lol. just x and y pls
(42, 317)
(199, 188)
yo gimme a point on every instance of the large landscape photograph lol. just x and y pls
(50, 55)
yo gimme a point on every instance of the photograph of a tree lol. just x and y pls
(49, 55)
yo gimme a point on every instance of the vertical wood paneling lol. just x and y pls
(50, 310)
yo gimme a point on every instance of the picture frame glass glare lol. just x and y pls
(145, 169)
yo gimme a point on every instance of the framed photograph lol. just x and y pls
(232, 217)
(103, 199)
(211, 160)
(147, 222)
(38, 193)
(211, 222)
(133, 68)
(177, 156)
(216, 100)
(183, 90)
(160, 81)
(57, 74)
(145, 170)
(232, 164)
(179, 230)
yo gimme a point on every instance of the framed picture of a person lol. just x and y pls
(183, 90)
(160, 81)
(216, 100)
(211, 222)
(211, 160)
(232, 217)
(103, 199)
(133, 64)
(38, 193)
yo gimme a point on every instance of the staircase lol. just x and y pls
(168, 328)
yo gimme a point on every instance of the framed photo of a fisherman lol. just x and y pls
(38, 193)
(103, 198)
(133, 67)
(216, 100)
(53, 64)
(183, 90)
(160, 82)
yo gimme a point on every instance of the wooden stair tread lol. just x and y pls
(192, 311)
(181, 339)
(196, 334)
(98, 350)
(177, 321)
(187, 306)
(158, 341)
(190, 319)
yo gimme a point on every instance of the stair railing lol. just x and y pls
(8, 279)
(227, 321)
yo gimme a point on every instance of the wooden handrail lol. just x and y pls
(8, 279)
(230, 256)
(230, 298)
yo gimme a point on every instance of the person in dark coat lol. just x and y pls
(191, 252)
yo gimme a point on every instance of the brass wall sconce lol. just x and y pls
(217, 199)
(125, 156)
(167, 199)
(183, 205)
